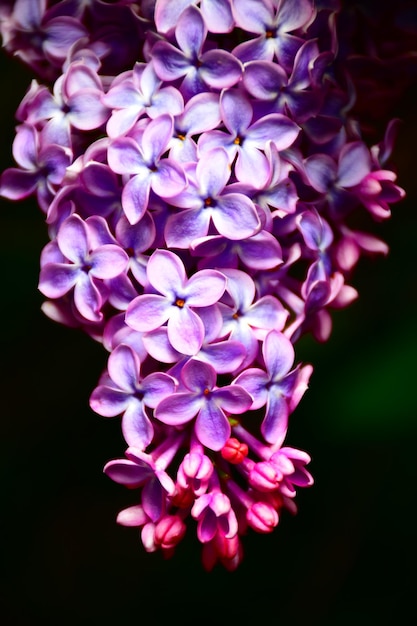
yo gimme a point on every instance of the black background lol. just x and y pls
(349, 555)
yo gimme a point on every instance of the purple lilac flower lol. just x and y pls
(245, 140)
(274, 23)
(140, 470)
(201, 165)
(205, 401)
(127, 393)
(176, 298)
(80, 268)
(74, 103)
(150, 172)
(138, 93)
(42, 167)
(206, 200)
(201, 113)
(200, 70)
(273, 387)
(246, 319)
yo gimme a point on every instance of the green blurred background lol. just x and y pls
(349, 555)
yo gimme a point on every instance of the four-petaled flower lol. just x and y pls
(125, 392)
(140, 470)
(176, 298)
(81, 268)
(204, 399)
(274, 386)
(149, 169)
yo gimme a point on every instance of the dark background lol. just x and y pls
(349, 555)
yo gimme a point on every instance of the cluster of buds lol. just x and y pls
(201, 176)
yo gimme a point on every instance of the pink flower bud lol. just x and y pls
(262, 517)
(264, 476)
(169, 531)
(234, 451)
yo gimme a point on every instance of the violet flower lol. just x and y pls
(81, 268)
(205, 401)
(199, 69)
(136, 94)
(42, 167)
(274, 386)
(245, 140)
(127, 393)
(150, 171)
(200, 165)
(175, 301)
(274, 23)
(205, 200)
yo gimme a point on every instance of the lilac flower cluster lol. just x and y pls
(201, 176)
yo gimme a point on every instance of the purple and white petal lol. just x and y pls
(123, 367)
(235, 216)
(135, 196)
(56, 279)
(267, 313)
(169, 62)
(157, 345)
(166, 273)
(205, 288)
(125, 157)
(16, 184)
(236, 111)
(155, 387)
(233, 398)
(25, 146)
(354, 164)
(185, 330)
(127, 472)
(72, 239)
(108, 261)
(169, 179)
(255, 381)
(178, 408)
(217, 15)
(167, 13)
(191, 31)
(87, 298)
(275, 423)
(278, 128)
(220, 69)
(224, 356)
(183, 228)
(137, 428)
(156, 137)
(198, 377)
(212, 426)
(109, 402)
(278, 353)
(148, 312)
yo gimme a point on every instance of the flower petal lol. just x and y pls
(212, 426)
(136, 426)
(278, 353)
(205, 288)
(147, 312)
(166, 273)
(123, 367)
(178, 408)
(185, 330)
(109, 402)
(275, 423)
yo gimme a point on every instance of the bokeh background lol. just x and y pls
(350, 553)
